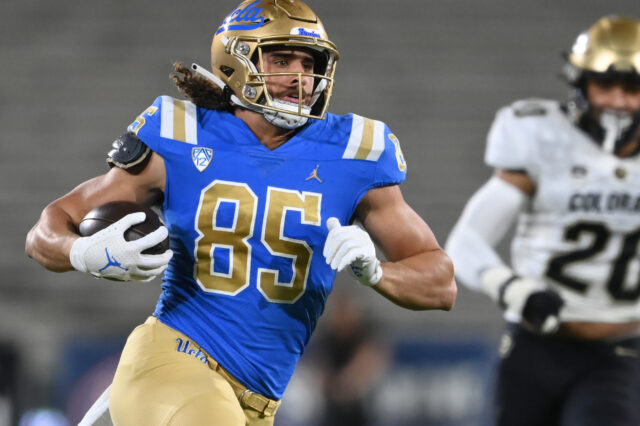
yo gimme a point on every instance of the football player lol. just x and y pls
(569, 174)
(259, 188)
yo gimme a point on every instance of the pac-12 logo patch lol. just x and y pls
(201, 157)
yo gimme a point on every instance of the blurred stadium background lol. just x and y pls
(75, 74)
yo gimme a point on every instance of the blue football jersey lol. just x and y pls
(248, 280)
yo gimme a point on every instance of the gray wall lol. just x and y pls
(76, 73)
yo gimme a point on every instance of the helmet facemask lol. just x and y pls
(279, 112)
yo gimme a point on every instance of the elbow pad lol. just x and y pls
(128, 151)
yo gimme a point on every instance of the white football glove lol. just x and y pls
(352, 246)
(531, 301)
(106, 254)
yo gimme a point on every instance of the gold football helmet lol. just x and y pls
(611, 45)
(236, 57)
(609, 51)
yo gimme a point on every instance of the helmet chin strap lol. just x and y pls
(283, 119)
(614, 124)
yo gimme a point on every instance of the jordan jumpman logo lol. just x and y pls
(314, 174)
(111, 261)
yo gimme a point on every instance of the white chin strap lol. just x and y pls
(284, 119)
(277, 118)
(614, 124)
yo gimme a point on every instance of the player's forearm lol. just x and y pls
(420, 282)
(50, 240)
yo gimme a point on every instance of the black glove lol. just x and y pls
(537, 305)
(541, 311)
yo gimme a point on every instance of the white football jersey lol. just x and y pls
(581, 233)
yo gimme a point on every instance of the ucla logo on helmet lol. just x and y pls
(305, 32)
(246, 18)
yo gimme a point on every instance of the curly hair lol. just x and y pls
(199, 90)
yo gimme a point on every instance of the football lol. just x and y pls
(108, 213)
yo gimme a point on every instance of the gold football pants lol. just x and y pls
(165, 379)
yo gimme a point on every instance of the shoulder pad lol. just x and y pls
(128, 151)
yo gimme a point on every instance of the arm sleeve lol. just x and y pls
(484, 222)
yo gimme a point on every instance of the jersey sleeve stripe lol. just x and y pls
(178, 120)
(179, 131)
(378, 141)
(191, 123)
(355, 137)
(166, 123)
(366, 141)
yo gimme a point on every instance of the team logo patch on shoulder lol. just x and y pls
(201, 157)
